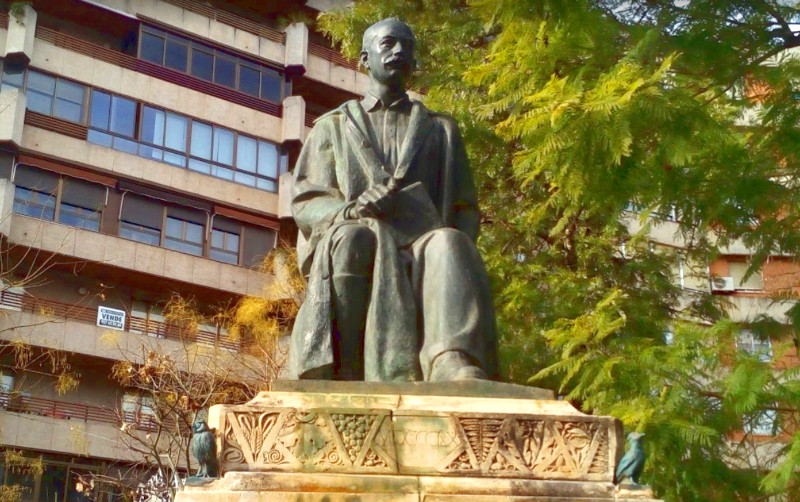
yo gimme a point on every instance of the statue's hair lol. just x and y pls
(369, 33)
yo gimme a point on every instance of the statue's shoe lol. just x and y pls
(455, 365)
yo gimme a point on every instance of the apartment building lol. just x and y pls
(144, 151)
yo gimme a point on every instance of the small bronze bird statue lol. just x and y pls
(204, 447)
(632, 463)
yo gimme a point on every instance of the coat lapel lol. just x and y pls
(418, 126)
(362, 141)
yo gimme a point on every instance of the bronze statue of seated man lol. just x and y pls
(387, 215)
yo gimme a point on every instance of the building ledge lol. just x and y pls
(110, 250)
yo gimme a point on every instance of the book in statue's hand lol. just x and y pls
(412, 214)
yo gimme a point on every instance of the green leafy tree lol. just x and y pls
(577, 112)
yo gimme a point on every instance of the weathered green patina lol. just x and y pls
(386, 207)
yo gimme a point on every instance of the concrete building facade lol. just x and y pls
(145, 148)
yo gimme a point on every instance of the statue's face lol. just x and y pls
(389, 57)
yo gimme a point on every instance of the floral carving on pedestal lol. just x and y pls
(287, 439)
(512, 446)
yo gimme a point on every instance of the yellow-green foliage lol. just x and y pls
(575, 112)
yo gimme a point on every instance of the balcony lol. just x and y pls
(62, 427)
(110, 250)
(59, 311)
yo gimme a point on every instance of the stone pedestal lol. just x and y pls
(329, 441)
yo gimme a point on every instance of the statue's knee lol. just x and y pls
(353, 250)
(447, 240)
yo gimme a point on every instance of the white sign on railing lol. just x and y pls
(111, 318)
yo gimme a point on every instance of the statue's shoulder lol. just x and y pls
(444, 118)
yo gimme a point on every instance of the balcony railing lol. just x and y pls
(20, 403)
(158, 329)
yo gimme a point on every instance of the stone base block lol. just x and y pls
(321, 487)
(444, 442)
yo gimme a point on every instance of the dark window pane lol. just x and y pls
(123, 116)
(246, 154)
(152, 48)
(69, 100)
(202, 64)
(271, 83)
(223, 146)
(257, 243)
(152, 126)
(177, 55)
(79, 478)
(13, 75)
(54, 481)
(101, 103)
(248, 80)
(201, 140)
(225, 71)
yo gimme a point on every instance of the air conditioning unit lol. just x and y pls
(722, 285)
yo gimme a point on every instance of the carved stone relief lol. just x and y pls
(373, 441)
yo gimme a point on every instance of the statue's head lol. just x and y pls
(387, 51)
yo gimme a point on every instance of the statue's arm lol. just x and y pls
(316, 199)
(466, 216)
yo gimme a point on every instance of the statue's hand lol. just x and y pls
(375, 201)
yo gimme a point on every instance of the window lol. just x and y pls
(34, 203)
(137, 409)
(81, 204)
(738, 270)
(163, 136)
(225, 240)
(46, 94)
(184, 230)
(113, 122)
(35, 193)
(141, 219)
(257, 243)
(754, 346)
(175, 139)
(13, 77)
(213, 65)
(764, 423)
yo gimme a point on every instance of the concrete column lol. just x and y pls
(284, 196)
(21, 30)
(12, 116)
(296, 53)
(294, 119)
(6, 205)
